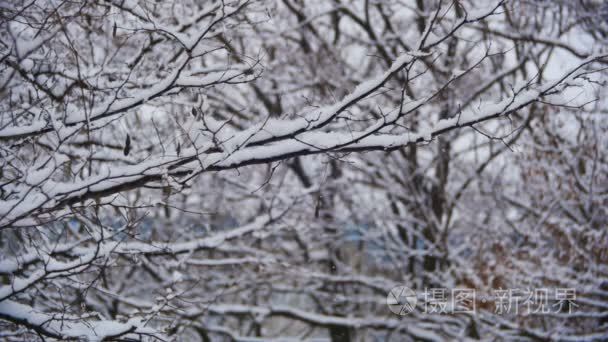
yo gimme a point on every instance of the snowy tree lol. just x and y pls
(270, 169)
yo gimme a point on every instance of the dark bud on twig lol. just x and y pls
(194, 112)
(127, 148)
(179, 148)
(114, 31)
